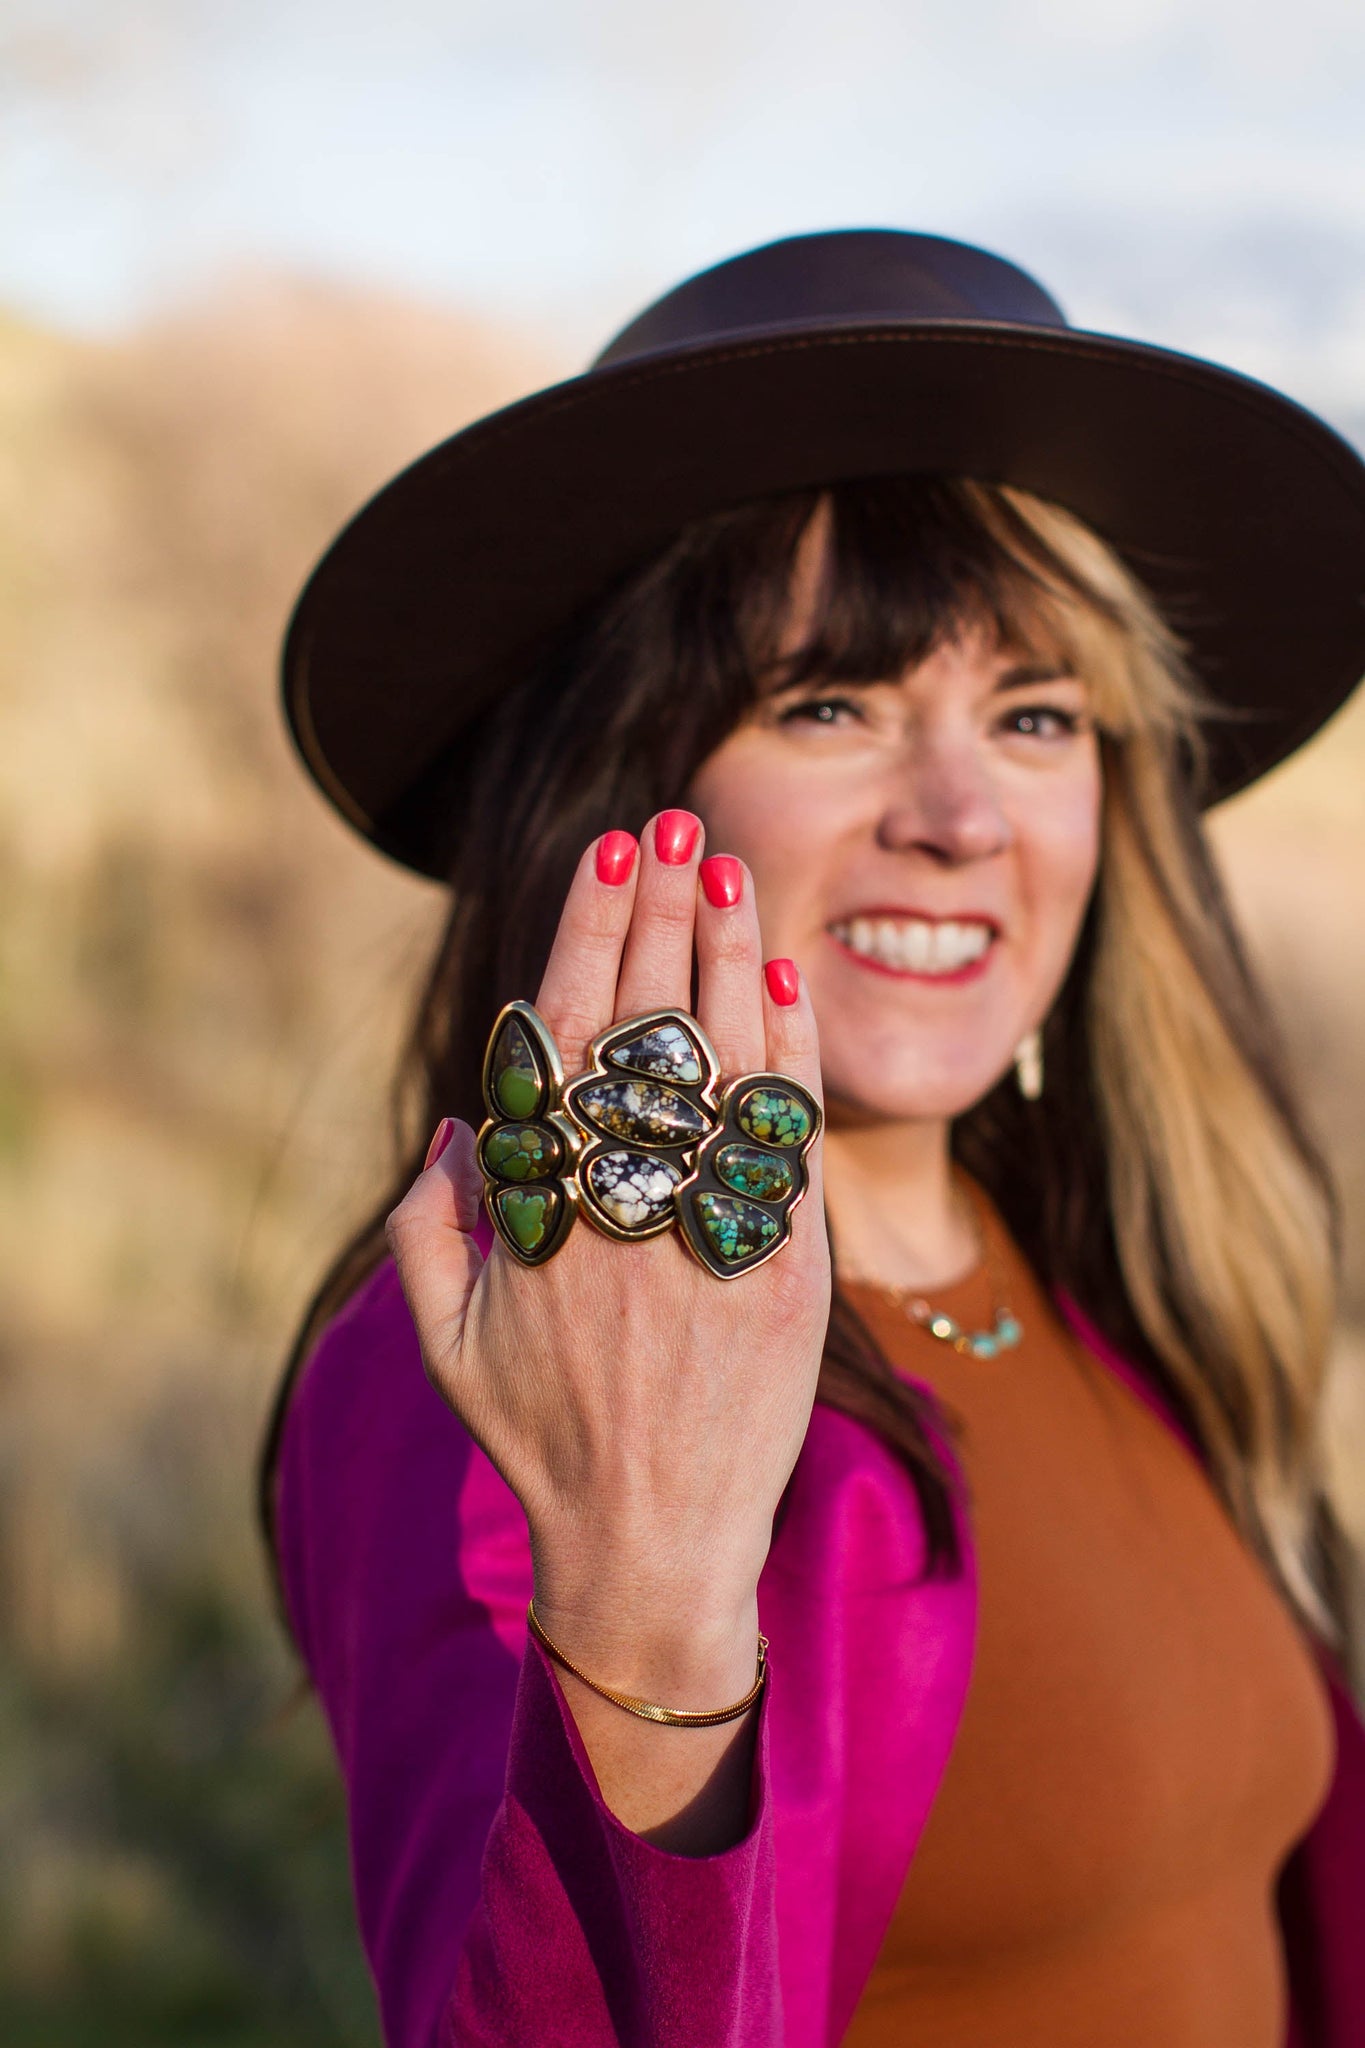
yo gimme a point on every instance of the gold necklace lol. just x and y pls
(1006, 1330)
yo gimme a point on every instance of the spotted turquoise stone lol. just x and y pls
(522, 1152)
(634, 1188)
(765, 1175)
(773, 1117)
(641, 1112)
(735, 1230)
(666, 1053)
(517, 1078)
(529, 1214)
(1008, 1330)
(983, 1345)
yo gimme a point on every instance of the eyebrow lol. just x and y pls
(1025, 672)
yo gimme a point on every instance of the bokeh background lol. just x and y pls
(252, 258)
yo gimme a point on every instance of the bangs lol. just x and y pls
(909, 564)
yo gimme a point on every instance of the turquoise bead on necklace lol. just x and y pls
(1006, 1330)
(970, 1343)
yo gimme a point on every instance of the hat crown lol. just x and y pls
(846, 275)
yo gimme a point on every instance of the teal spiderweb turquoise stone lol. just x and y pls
(765, 1175)
(529, 1214)
(517, 1081)
(773, 1117)
(666, 1054)
(522, 1152)
(640, 1112)
(735, 1229)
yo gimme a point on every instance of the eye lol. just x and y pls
(1042, 721)
(819, 711)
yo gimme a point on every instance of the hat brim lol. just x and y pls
(1241, 511)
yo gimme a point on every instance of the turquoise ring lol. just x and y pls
(642, 1109)
(644, 1141)
(735, 1209)
(528, 1148)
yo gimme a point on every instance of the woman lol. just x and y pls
(725, 653)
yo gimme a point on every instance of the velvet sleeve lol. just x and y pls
(499, 1900)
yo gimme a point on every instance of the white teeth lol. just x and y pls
(914, 943)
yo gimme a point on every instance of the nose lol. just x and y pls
(944, 802)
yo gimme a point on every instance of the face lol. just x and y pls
(924, 848)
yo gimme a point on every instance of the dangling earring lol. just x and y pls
(1028, 1065)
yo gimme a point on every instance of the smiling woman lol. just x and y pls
(1045, 1735)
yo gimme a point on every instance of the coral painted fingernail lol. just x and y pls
(784, 983)
(441, 1137)
(722, 878)
(615, 857)
(675, 835)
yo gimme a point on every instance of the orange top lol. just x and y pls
(1145, 1737)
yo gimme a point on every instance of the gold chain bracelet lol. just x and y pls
(645, 1710)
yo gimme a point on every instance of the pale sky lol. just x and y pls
(1190, 171)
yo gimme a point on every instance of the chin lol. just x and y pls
(905, 1097)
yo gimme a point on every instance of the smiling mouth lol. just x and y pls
(917, 945)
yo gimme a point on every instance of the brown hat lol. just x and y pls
(817, 359)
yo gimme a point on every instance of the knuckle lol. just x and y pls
(668, 913)
(572, 1023)
(789, 1300)
(733, 942)
(398, 1226)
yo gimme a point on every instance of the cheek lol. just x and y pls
(770, 818)
(1060, 852)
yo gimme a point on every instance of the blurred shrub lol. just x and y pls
(202, 982)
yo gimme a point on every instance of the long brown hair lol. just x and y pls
(1166, 1180)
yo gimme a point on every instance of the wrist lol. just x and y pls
(649, 1642)
(654, 1711)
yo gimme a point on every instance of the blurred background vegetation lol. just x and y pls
(202, 985)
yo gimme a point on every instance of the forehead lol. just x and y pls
(841, 616)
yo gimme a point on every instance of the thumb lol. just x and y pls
(431, 1236)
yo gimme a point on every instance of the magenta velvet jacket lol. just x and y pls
(500, 1902)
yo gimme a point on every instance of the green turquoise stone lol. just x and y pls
(641, 1112)
(521, 1152)
(983, 1346)
(517, 1082)
(1008, 1331)
(765, 1175)
(529, 1214)
(735, 1230)
(774, 1118)
(666, 1053)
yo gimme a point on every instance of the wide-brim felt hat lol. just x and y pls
(817, 359)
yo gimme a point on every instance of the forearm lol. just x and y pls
(669, 1635)
(686, 1789)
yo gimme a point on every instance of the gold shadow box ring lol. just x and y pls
(528, 1148)
(645, 1103)
(734, 1210)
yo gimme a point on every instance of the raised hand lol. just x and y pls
(646, 1414)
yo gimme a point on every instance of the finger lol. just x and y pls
(577, 994)
(793, 1043)
(656, 967)
(729, 960)
(793, 1047)
(431, 1236)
